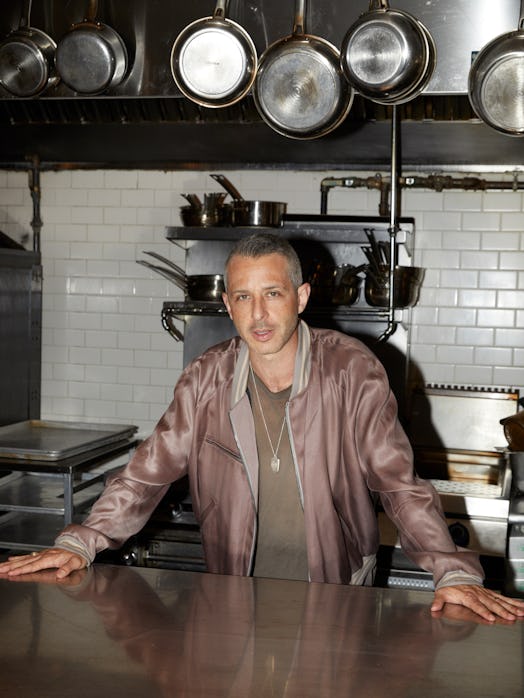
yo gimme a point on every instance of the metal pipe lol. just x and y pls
(436, 182)
(34, 187)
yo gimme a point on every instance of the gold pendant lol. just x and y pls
(275, 464)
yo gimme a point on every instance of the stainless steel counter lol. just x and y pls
(119, 631)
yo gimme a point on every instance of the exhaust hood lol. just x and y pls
(145, 121)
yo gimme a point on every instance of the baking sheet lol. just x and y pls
(36, 439)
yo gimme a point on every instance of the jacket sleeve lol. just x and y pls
(132, 493)
(411, 502)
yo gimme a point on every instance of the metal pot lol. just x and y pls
(252, 213)
(334, 284)
(213, 212)
(300, 90)
(196, 287)
(27, 59)
(91, 57)
(387, 55)
(214, 60)
(496, 81)
(205, 287)
(406, 286)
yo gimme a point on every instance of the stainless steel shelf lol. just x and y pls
(38, 499)
(322, 228)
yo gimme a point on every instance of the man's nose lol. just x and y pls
(259, 308)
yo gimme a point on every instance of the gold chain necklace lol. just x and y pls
(275, 460)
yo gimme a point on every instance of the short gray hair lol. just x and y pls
(261, 244)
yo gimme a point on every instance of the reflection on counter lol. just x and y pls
(185, 633)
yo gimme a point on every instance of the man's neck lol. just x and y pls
(275, 372)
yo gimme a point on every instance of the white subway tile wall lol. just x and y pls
(105, 355)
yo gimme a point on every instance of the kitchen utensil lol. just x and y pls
(168, 274)
(91, 57)
(387, 55)
(299, 90)
(169, 325)
(406, 286)
(514, 431)
(334, 284)
(251, 213)
(196, 287)
(213, 212)
(205, 287)
(218, 216)
(27, 59)
(193, 200)
(214, 60)
(496, 81)
(167, 261)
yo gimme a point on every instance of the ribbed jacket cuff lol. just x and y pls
(73, 545)
(458, 577)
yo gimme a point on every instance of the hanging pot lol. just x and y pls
(91, 57)
(496, 81)
(26, 59)
(214, 60)
(387, 55)
(300, 91)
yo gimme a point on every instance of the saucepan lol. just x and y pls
(252, 213)
(214, 60)
(406, 286)
(211, 212)
(387, 55)
(27, 59)
(300, 90)
(91, 57)
(496, 81)
(196, 287)
(335, 284)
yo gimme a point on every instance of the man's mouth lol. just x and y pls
(262, 333)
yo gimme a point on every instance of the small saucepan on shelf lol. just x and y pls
(333, 284)
(406, 286)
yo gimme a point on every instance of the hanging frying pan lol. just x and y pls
(387, 55)
(299, 89)
(91, 57)
(214, 60)
(496, 82)
(26, 59)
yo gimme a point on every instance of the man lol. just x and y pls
(285, 433)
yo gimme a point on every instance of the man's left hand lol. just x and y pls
(488, 604)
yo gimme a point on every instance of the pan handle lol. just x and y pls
(228, 186)
(220, 9)
(92, 11)
(378, 5)
(299, 25)
(169, 325)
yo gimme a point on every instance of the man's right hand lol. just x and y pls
(63, 561)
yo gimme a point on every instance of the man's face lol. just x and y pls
(263, 304)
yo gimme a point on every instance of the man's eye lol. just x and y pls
(274, 294)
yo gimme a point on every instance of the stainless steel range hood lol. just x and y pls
(145, 121)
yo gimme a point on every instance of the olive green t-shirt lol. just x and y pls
(281, 538)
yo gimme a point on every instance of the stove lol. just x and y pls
(459, 445)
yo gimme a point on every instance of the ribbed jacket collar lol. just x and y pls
(300, 374)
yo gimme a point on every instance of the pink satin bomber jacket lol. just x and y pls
(346, 442)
